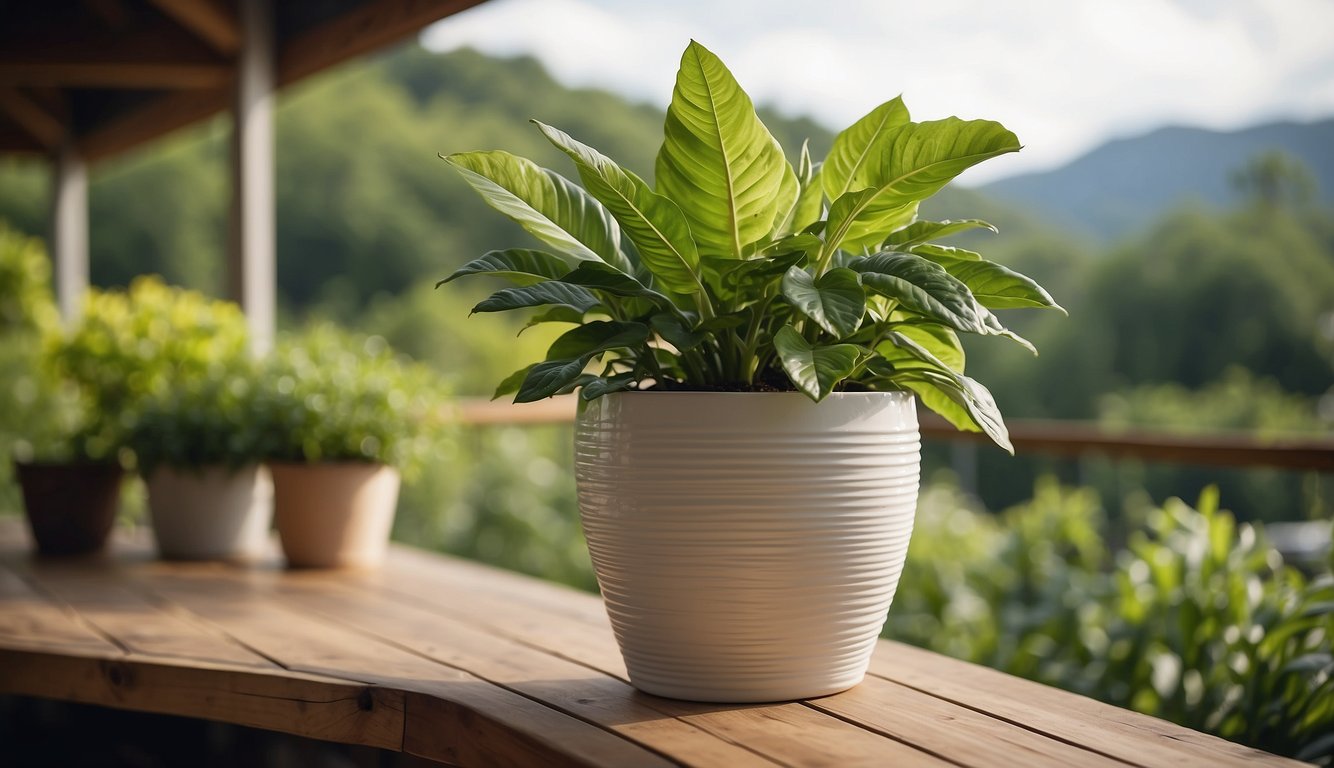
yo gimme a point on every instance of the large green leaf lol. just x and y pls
(550, 207)
(836, 300)
(595, 338)
(611, 280)
(857, 151)
(940, 253)
(998, 287)
(512, 382)
(916, 160)
(960, 400)
(940, 341)
(520, 265)
(810, 198)
(550, 377)
(653, 222)
(718, 162)
(925, 287)
(922, 231)
(541, 294)
(815, 370)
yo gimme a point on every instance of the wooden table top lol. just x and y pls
(468, 665)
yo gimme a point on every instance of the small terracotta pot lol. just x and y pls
(210, 513)
(71, 507)
(335, 514)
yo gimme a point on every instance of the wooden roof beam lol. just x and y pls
(32, 117)
(208, 19)
(365, 28)
(157, 57)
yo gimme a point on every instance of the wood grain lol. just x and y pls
(464, 664)
(1096, 726)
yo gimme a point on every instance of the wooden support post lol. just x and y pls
(69, 232)
(252, 263)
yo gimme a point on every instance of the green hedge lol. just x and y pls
(1194, 619)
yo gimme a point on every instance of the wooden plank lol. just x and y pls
(207, 19)
(30, 115)
(72, 55)
(365, 28)
(950, 731)
(473, 723)
(31, 621)
(104, 600)
(319, 708)
(558, 622)
(595, 697)
(1100, 727)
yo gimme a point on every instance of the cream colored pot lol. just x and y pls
(335, 514)
(210, 513)
(747, 545)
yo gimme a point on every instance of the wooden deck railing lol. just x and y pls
(1057, 438)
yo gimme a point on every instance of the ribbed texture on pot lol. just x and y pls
(747, 545)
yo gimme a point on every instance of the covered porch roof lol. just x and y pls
(85, 80)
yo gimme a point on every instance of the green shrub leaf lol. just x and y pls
(520, 265)
(718, 162)
(836, 300)
(922, 231)
(541, 294)
(547, 205)
(858, 150)
(653, 222)
(595, 338)
(815, 370)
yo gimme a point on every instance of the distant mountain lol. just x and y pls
(1123, 186)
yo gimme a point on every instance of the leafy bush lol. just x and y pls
(200, 422)
(134, 344)
(328, 395)
(26, 303)
(501, 495)
(1197, 620)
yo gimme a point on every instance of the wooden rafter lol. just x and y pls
(163, 115)
(208, 19)
(373, 25)
(160, 56)
(32, 117)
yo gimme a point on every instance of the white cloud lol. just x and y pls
(1065, 75)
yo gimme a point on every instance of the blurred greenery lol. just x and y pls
(326, 394)
(1196, 619)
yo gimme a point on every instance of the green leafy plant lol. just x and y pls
(140, 343)
(201, 423)
(328, 395)
(739, 271)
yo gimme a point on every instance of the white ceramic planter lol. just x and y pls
(210, 513)
(747, 545)
(335, 514)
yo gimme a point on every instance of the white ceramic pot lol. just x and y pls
(747, 545)
(210, 513)
(334, 514)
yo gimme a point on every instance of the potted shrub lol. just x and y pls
(198, 449)
(65, 457)
(343, 418)
(64, 454)
(162, 363)
(749, 340)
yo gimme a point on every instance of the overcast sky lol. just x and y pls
(1063, 74)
